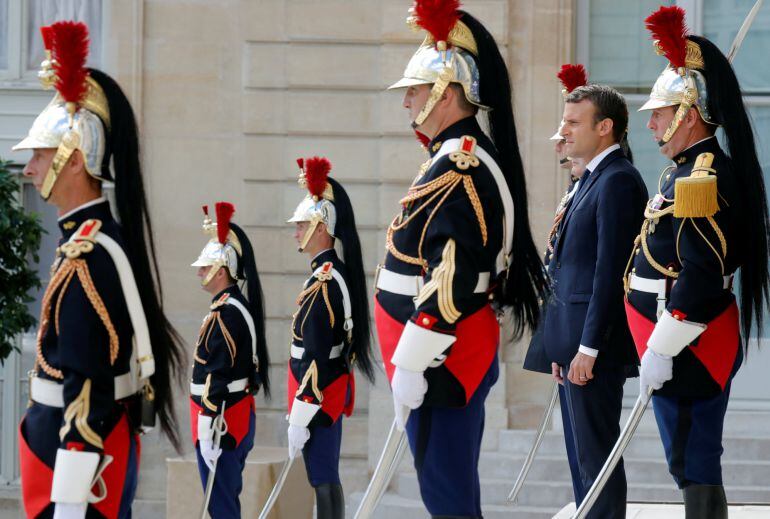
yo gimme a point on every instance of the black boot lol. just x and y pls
(705, 502)
(329, 501)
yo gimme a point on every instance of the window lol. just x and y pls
(21, 48)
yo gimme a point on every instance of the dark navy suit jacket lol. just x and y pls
(590, 254)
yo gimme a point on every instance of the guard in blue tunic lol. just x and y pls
(707, 221)
(330, 333)
(230, 361)
(459, 244)
(105, 351)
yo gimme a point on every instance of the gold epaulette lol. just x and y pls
(83, 241)
(465, 157)
(696, 196)
(325, 272)
(220, 302)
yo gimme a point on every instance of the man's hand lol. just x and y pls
(556, 372)
(581, 369)
(656, 370)
(209, 452)
(409, 388)
(298, 437)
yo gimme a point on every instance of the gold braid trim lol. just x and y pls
(316, 288)
(62, 278)
(437, 186)
(626, 279)
(78, 411)
(311, 375)
(441, 283)
(204, 327)
(721, 263)
(430, 219)
(203, 334)
(59, 299)
(93, 296)
(309, 290)
(720, 235)
(205, 396)
(325, 291)
(654, 264)
(470, 189)
(66, 270)
(228, 339)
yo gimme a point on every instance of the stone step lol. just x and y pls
(738, 423)
(557, 493)
(642, 445)
(638, 470)
(394, 506)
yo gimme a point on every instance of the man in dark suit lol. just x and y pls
(585, 335)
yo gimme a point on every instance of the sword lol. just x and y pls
(220, 428)
(617, 451)
(514, 495)
(743, 30)
(394, 448)
(273, 497)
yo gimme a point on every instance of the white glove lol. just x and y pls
(298, 437)
(655, 371)
(409, 388)
(70, 510)
(209, 453)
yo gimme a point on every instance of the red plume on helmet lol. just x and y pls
(669, 29)
(224, 212)
(316, 172)
(70, 52)
(438, 17)
(46, 32)
(572, 76)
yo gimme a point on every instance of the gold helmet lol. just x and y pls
(681, 83)
(318, 205)
(78, 116)
(224, 248)
(447, 55)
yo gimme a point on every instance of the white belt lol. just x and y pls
(233, 387)
(297, 352)
(51, 393)
(411, 285)
(658, 287)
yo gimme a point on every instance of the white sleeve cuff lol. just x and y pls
(205, 427)
(591, 352)
(418, 346)
(73, 476)
(302, 412)
(671, 335)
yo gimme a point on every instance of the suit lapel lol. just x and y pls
(584, 191)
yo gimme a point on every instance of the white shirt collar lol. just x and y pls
(600, 157)
(93, 202)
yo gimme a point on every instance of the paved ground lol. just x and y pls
(656, 511)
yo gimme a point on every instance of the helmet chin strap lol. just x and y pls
(689, 98)
(436, 91)
(212, 272)
(70, 142)
(308, 234)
